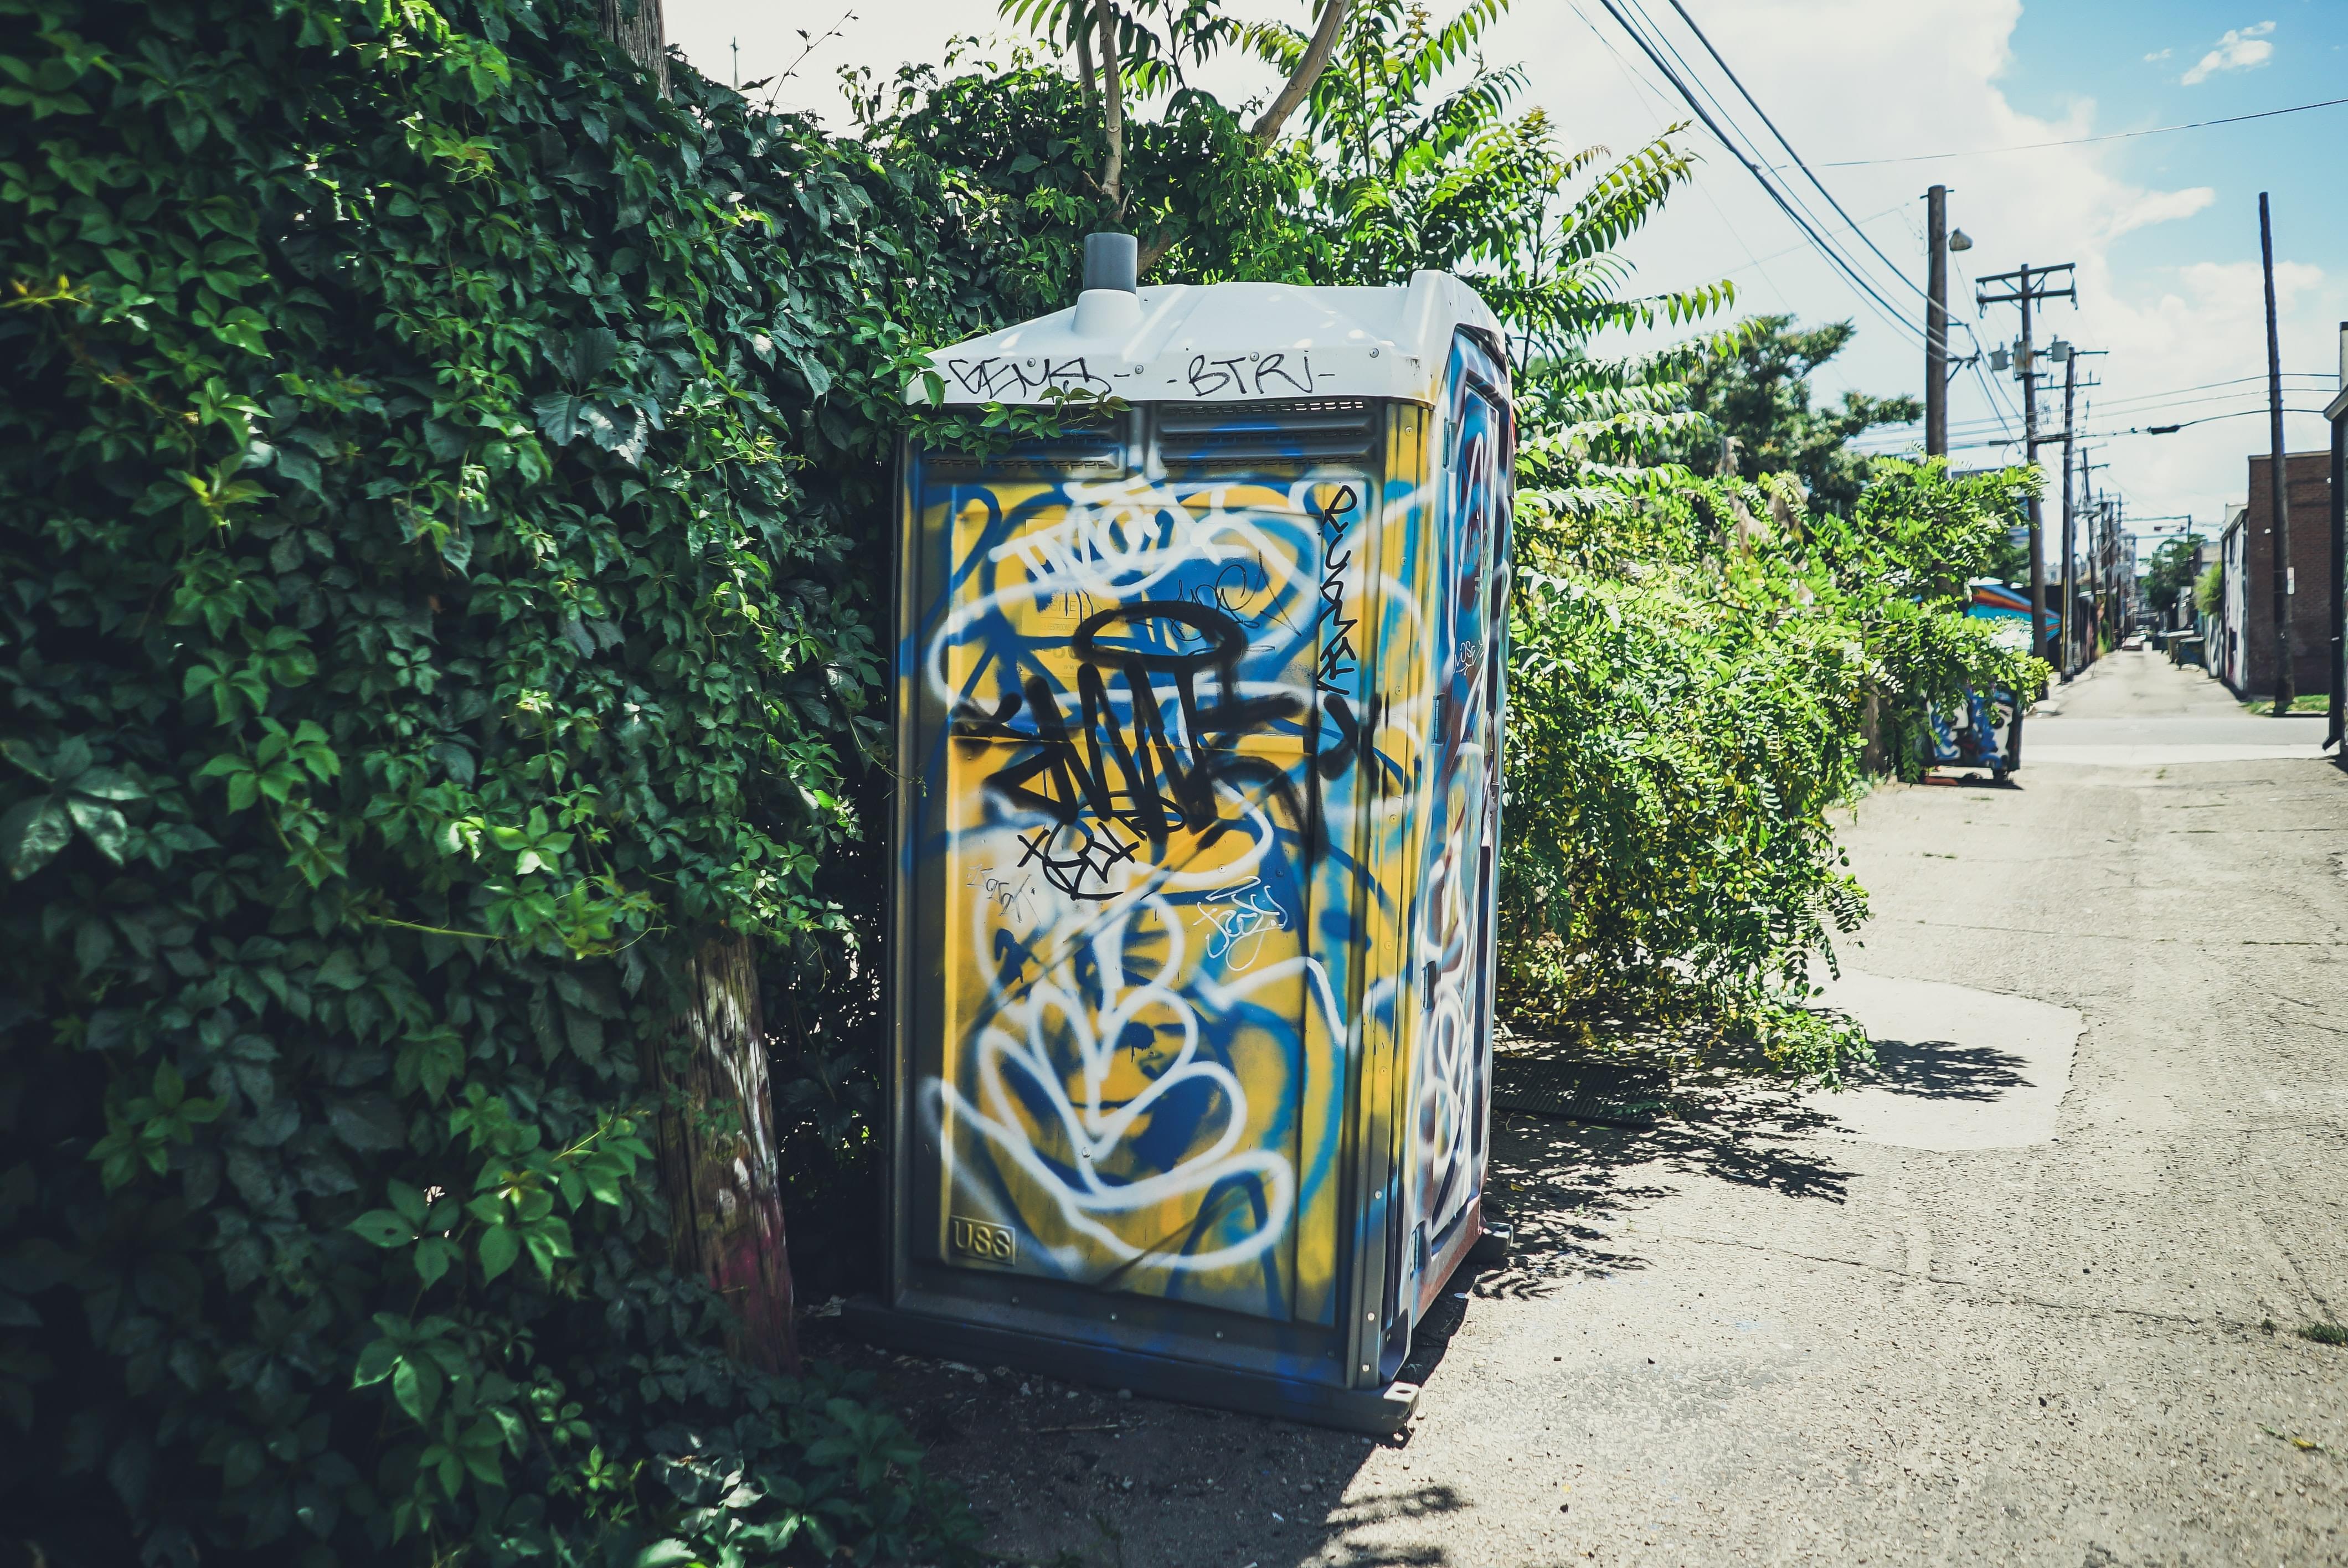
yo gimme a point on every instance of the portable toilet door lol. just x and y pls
(1198, 722)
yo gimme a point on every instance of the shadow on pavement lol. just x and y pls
(1073, 1476)
(1941, 1069)
(1568, 1186)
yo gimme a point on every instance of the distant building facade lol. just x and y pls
(2247, 662)
(2223, 649)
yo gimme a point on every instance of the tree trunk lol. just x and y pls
(1875, 737)
(635, 26)
(717, 1155)
(1082, 34)
(1112, 69)
(1317, 51)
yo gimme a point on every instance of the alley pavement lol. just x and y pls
(2032, 1292)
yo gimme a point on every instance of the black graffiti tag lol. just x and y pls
(1336, 660)
(992, 376)
(1332, 628)
(1108, 775)
(1247, 375)
(1077, 859)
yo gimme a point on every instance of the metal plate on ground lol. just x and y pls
(1575, 1088)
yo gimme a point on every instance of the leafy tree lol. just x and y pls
(1754, 393)
(2172, 569)
(1141, 45)
(1419, 165)
(2209, 588)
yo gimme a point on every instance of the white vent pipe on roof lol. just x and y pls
(1111, 301)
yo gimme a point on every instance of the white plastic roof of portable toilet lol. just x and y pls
(1220, 342)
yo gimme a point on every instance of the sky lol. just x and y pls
(2163, 229)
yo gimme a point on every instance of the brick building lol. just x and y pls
(2250, 588)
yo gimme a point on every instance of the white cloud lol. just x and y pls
(2158, 54)
(2159, 207)
(2238, 49)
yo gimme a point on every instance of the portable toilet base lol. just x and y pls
(1200, 707)
(939, 1328)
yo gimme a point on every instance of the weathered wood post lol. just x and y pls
(635, 25)
(718, 1163)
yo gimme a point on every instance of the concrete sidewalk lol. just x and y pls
(2134, 710)
(2029, 1297)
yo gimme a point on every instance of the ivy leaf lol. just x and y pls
(107, 783)
(408, 1201)
(434, 1255)
(587, 355)
(382, 1228)
(367, 1122)
(376, 1364)
(341, 971)
(549, 1240)
(558, 416)
(428, 1061)
(300, 467)
(102, 825)
(32, 833)
(499, 1248)
(415, 1383)
(818, 379)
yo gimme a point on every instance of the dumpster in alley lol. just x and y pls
(1199, 727)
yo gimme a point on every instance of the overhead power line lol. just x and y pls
(1689, 95)
(1789, 249)
(2183, 423)
(2132, 430)
(1733, 80)
(2141, 407)
(1653, 96)
(2080, 141)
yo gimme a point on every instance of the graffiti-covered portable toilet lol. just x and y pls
(1200, 723)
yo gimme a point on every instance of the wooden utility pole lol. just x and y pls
(2069, 585)
(720, 1164)
(635, 26)
(2278, 478)
(719, 1168)
(2335, 729)
(2070, 406)
(2027, 286)
(1936, 322)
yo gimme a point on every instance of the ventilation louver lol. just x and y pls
(1091, 455)
(1230, 435)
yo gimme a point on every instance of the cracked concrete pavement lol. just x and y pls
(2029, 1297)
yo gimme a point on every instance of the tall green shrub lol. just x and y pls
(1695, 661)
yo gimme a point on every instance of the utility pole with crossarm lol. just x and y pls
(2026, 286)
(2072, 385)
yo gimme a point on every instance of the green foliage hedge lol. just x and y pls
(1699, 664)
(427, 480)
